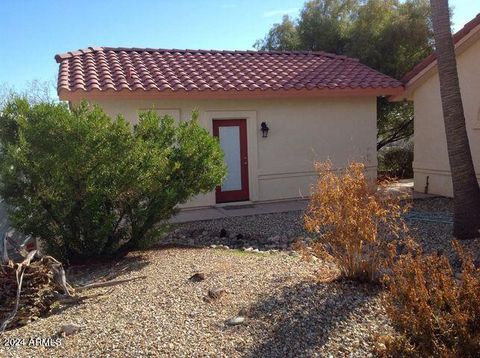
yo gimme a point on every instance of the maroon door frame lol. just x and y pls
(242, 194)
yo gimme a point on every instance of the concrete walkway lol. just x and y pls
(406, 186)
(219, 212)
(236, 209)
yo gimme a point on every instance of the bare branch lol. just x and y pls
(107, 284)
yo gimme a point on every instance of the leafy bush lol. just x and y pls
(436, 313)
(396, 162)
(347, 214)
(90, 186)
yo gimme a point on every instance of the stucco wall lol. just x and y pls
(430, 153)
(301, 131)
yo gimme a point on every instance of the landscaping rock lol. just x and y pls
(69, 329)
(236, 321)
(215, 294)
(197, 277)
(288, 312)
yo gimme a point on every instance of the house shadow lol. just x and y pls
(301, 317)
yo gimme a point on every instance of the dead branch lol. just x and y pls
(31, 288)
(19, 275)
(107, 283)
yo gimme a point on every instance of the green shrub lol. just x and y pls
(396, 162)
(90, 186)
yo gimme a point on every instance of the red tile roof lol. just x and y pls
(159, 70)
(457, 37)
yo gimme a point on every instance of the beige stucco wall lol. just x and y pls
(430, 153)
(301, 131)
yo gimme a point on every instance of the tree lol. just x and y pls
(90, 186)
(394, 122)
(281, 37)
(35, 91)
(466, 190)
(390, 36)
(324, 25)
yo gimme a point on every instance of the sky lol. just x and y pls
(33, 31)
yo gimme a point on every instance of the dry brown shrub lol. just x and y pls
(436, 312)
(349, 216)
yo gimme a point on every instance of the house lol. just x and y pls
(431, 165)
(275, 113)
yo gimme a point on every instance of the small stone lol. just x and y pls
(215, 294)
(213, 246)
(294, 253)
(244, 312)
(236, 320)
(248, 249)
(197, 277)
(69, 329)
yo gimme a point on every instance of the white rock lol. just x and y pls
(236, 320)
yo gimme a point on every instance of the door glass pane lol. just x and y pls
(230, 143)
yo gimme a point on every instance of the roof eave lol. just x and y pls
(463, 39)
(79, 95)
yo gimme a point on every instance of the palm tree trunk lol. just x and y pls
(466, 190)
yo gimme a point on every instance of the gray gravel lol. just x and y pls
(435, 233)
(287, 312)
(430, 222)
(265, 231)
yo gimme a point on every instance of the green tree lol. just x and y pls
(324, 25)
(394, 122)
(390, 36)
(281, 37)
(90, 186)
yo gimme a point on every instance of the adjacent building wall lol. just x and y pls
(301, 132)
(431, 157)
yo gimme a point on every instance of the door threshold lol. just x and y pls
(235, 205)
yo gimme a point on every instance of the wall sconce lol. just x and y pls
(264, 128)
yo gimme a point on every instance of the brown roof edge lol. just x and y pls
(458, 36)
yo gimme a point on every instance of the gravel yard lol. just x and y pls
(430, 222)
(287, 311)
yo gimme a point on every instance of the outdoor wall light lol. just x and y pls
(264, 128)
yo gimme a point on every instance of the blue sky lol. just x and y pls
(33, 31)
